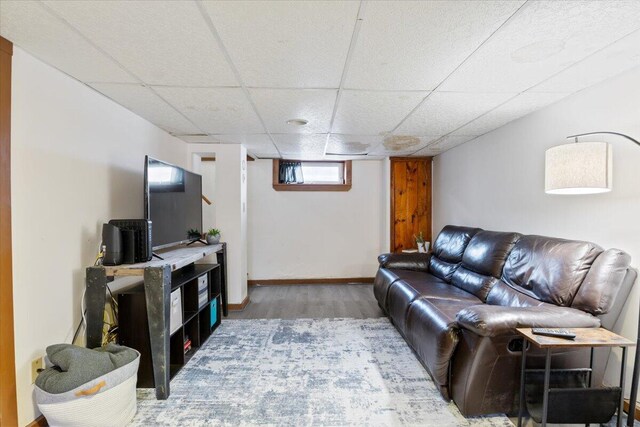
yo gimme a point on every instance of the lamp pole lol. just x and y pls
(636, 364)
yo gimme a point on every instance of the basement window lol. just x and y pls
(300, 175)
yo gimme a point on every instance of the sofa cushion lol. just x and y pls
(482, 261)
(506, 296)
(603, 282)
(487, 252)
(432, 332)
(386, 276)
(404, 292)
(474, 283)
(448, 250)
(549, 269)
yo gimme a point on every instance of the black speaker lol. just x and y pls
(128, 246)
(112, 239)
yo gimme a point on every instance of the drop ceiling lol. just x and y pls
(372, 78)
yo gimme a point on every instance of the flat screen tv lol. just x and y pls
(172, 201)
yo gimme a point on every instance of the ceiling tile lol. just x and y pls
(214, 110)
(286, 43)
(610, 61)
(352, 144)
(276, 106)
(148, 105)
(257, 144)
(401, 145)
(443, 144)
(161, 42)
(416, 45)
(443, 112)
(301, 146)
(543, 38)
(519, 106)
(372, 113)
(28, 25)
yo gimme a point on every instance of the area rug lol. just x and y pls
(304, 372)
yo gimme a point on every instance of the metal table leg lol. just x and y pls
(522, 381)
(622, 374)
(157, 290)
(545, 397)
(95, 297)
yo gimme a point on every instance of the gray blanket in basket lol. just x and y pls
(75, 366)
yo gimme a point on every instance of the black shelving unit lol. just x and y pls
(198, 322)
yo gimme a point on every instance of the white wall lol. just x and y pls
(77, 161)
(304, 235)
(497, 181)
(230, 207)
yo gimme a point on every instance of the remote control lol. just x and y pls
(557, 333)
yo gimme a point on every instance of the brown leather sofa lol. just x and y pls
(458, 307)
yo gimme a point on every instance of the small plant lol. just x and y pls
(419, 238)
(194, 233)
(213, 232)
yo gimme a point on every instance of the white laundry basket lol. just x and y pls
(109, 400)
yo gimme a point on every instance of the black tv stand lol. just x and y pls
(155, 255)
(197, 241)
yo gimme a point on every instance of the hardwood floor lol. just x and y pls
(310, 301)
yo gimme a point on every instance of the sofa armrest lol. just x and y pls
(495, 320)
(415, 261)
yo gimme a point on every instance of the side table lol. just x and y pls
(585, 402)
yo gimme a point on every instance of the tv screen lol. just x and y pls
(172, 202)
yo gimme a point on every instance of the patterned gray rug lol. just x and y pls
(320, 372)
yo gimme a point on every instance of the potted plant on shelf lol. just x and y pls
(213, 236)
(423, 247)
(194, 234)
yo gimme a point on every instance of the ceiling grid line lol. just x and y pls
(520, 93)
(460, 65)
(105, 53)
(234, 69)
(345, 70)
(445, 79)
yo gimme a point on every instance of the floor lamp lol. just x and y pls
(585, 168)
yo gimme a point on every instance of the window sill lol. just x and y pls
(312, 187)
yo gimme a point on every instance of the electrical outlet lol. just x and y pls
(36, 366)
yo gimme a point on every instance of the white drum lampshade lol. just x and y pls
(578, 168)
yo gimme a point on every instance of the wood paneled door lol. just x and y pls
(410, 201)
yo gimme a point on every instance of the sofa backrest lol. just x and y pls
(549, 269)
(482, 261)
(448, 249)
(603, 282)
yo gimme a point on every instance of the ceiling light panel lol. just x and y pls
(513, 109)
(147, 104)
(610, 61)
(161, 42)
(285, 43)
(214, 110)
(443, 112)
(371, 113)
(543, 38)
(277, 106)
(415, 45)
(306, 147)
(29, 26)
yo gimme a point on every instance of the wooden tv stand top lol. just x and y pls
(175, 257)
